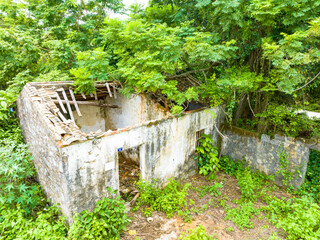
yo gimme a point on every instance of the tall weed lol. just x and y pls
(169, 200)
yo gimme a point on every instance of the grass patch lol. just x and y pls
(242, 215)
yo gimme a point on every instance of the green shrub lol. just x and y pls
(17, 177)
(299, 218)
(212, 189)
(197, 234)
(231, 166)
(47, 225)
(242, 215)
(252, 183)
(247, 184)
(169, 200)
(207, 156)
(107, 221)
(284, 168)
(311, 184)
(283, 119)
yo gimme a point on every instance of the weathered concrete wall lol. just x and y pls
(92, 119)
(132, 111)
(166, 149)
(262, 152)
(131, 154)
(44, 149)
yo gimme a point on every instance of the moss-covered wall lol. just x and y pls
(262, 152)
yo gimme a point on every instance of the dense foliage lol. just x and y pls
(107, 221)
(26, 213)
(199, 233)
(277, 55)
(170, 199)
(235, 50)
(312, 180)
(299, 218)
(207, 156)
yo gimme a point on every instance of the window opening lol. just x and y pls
(198, 136)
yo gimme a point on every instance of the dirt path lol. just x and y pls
(212, 217)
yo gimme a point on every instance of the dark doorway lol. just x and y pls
(129, 171)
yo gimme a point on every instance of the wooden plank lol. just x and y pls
(75, 102)
(109, 91)
(84, 96)
(36, 98)
(62, 117)
(114, 91)
(90, 103)
(60, 103)
(68, 104)
(101, 85)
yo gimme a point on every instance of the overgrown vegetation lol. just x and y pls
(283, 119)
(107, 221)
(198, 233)
(207, 156)
(298, 217)
(18, 178)
(47, 225)
(311, 185)
(242, 215)
(25, 212)
(260, 57)
(213, 190)
(170, 199)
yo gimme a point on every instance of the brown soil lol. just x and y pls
(213, 219)
(128, 174)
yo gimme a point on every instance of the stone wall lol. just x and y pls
(261, 152)
(45, 151)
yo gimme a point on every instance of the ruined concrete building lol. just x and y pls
(81, 143)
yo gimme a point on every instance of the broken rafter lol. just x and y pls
(60, 103)
(114, 91)
(108, 87)
(66, 100)
(84, 96)
(75, 102)
(90, 103)
(62, 117)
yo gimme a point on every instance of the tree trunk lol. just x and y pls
(241, 107)
(263, 123)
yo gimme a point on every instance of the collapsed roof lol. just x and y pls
(50, 98)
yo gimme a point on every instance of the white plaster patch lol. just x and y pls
(110, 166)
(309, 113)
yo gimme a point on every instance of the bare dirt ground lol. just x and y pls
(213, 218)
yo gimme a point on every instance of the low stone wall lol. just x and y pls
(262, 152)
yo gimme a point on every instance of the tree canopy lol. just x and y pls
(239, 51)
